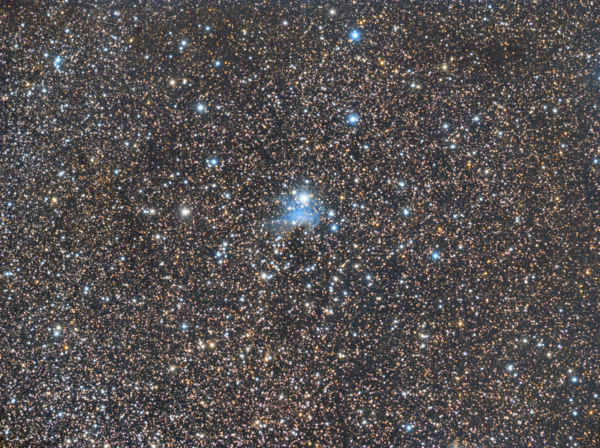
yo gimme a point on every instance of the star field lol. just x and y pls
(290, 224)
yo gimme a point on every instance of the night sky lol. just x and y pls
(299, 223)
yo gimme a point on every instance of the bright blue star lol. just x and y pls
(352, 119)
(334, 228)
(355, 35)
(435, 256)
(217, 63)
(304, 198)
(406, 212)
(200, 107)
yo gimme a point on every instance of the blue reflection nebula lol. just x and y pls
(302, 211)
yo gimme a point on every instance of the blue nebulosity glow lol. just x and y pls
(303, 210)
(302, 216)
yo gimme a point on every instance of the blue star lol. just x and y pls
(435, 256)
(352, 119)
(355, 35)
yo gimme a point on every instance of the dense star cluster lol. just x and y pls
(240, 223)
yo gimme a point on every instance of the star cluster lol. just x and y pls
(235, 223)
